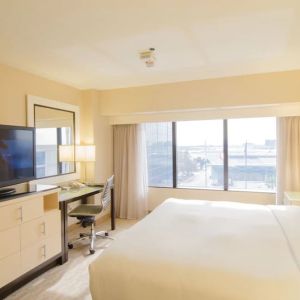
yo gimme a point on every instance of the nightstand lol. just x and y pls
(291, 198)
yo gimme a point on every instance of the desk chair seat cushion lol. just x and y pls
(85, 210)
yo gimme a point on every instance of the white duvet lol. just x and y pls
(203, 250)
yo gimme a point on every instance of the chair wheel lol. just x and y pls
(70, 246)
(106, 233)
(92, 251)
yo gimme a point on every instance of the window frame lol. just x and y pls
(225, 165)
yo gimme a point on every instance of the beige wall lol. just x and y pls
(15, 85)
(282, 87)
(97, 130)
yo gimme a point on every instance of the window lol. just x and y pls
(200, 154)
(252, 154)
(235, 154)
(159, 154)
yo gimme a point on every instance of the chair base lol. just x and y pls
(92, 236)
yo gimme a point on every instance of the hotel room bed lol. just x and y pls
(203, 250)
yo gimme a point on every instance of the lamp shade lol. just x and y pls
(85, 153)
(66, 153)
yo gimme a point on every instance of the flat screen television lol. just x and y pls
(17, 154)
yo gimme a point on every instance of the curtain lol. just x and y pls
(288, 156)
(130, 169)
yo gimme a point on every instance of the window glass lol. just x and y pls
(40, 164)
(46, 149)
(159, 154)
(252, 154)
(200, 154)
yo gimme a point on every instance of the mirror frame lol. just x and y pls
(32, 102)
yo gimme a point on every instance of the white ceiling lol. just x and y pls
(95, 43)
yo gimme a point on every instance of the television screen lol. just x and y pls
(16, 155)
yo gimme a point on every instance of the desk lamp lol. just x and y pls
(85, 154)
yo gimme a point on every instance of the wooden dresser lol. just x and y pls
(30, 236)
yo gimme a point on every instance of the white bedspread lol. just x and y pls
(203, 250)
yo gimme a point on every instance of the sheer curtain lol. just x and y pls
(288, 156)
(130, 169)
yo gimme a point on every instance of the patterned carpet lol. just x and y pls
(71, 280)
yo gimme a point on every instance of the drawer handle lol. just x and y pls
(44, 251)
(21, 213)
(44, 228)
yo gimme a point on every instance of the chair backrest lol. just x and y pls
(106, 194)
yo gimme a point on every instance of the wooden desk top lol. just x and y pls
(74, 194)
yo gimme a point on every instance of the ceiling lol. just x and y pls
(95, 44)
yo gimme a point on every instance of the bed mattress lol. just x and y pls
(204, 250)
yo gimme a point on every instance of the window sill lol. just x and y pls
(212, 190)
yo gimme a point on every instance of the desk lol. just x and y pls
(66, 197)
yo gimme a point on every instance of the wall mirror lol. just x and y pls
(56, 126)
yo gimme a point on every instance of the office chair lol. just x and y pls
(86, 213)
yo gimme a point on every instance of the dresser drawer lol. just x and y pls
(33, 232)
(10, 242)
(10, 216)
(32, 208)
(10, 268)
(38, 253)
(33, 256)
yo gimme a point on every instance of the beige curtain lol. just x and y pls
(288, 156)
(130, 169)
